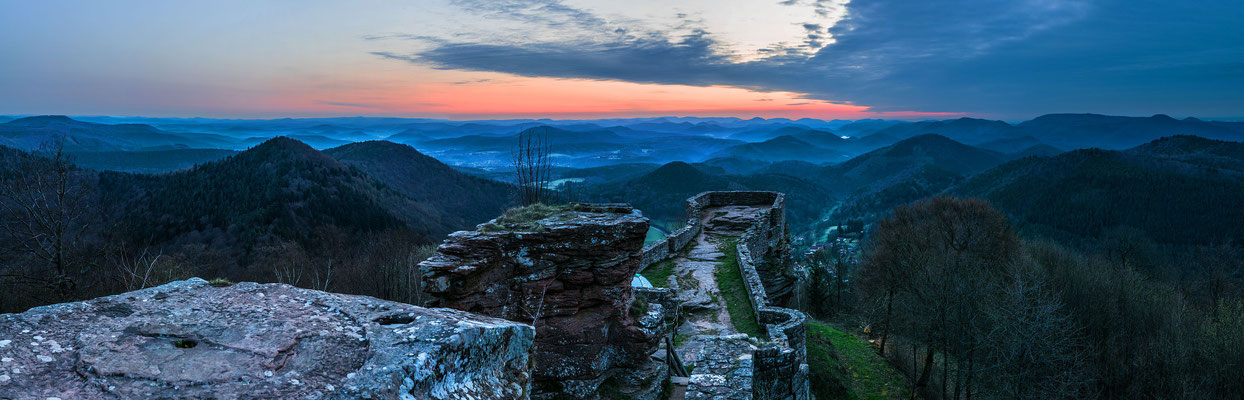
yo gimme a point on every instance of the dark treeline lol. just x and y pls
(969, 310)
(284, 213)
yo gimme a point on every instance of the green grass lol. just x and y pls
(730, 283)
(638, 309)
(687, 281)
(220, 282)
(659, 274)
(871, 378)
(524, 218)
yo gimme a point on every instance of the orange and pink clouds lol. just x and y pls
(522, 97)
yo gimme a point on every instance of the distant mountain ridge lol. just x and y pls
(783, 148)
(964, 130)
(31, 132)
(1112, 132)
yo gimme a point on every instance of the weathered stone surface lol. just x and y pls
(188, 339)
(724, 370)
(571, 277)
(736, 219)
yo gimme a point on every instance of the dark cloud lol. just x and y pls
(982, 56)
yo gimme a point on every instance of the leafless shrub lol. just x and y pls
(532, 165)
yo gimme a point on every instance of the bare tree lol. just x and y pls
(324, 282)
(144, 270)
(1034, 350)
(288, 260)
(288, 274)
(44, 209)
(532, 165)
(930, 263)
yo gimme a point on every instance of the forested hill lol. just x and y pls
(891, 164)
(451, 199)
(914, 168)
(662, 193)
(279, 190)
(1183, 190)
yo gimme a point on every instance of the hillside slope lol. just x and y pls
(281, 190)
(1182, 190)
(454, 199)
(891, 164)
(911, 169)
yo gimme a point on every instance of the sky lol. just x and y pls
(478, 59)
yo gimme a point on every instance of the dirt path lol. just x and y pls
(705, 309)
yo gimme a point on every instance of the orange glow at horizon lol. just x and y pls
(523, 97)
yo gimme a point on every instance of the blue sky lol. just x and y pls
(475, 58)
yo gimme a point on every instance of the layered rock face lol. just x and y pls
(570, 276)
(189, 339)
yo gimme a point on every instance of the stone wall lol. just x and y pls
(777, 369)
(669, 246)
(189, 339)
(781, 370)
(570, 277)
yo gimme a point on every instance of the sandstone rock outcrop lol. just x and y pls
(570, 275)
(189, 339)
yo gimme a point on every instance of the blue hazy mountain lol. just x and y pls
(32, 132)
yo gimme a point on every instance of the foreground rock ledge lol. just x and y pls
(189, 339)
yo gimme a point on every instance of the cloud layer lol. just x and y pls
(980, 56)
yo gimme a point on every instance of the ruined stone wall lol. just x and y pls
(570, 277)
(669, 246)
(780, 370)
(190, 339)
(777, 369)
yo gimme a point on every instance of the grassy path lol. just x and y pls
(833, 353)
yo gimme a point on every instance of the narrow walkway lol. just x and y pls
(694, 279)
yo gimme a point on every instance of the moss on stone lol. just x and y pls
(730, 283)
(525, 218)
(638, 309)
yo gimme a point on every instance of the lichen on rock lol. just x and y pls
(189, 339)
(570, 278)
